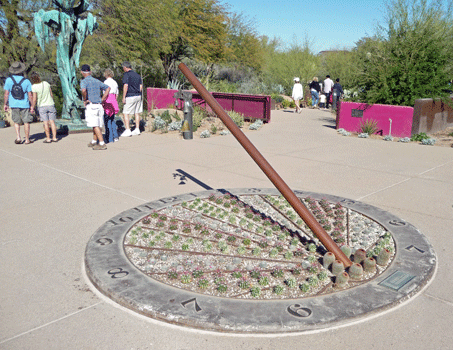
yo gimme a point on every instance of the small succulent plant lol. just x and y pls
(289, 255)
(278, 289)
(342, 279)
(337, 267)
(313, 281)
(383, 257)
(255, 291)
(197, 273)
(186, 278)
(203, 283)
(359, 255)
(356, 271)
(291, 282)
(369, 265)
(277, 273)
(263, 281)
(237, 274)
(244, 284)
(328, 259)
(304, 287)
(172, 274)
(222, 288)
(273, 253)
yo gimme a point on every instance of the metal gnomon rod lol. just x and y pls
(278, 182)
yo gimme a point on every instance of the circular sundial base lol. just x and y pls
(194, 261)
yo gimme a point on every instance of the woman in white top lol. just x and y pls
(297, 94)
(42, 95)
(110, 108)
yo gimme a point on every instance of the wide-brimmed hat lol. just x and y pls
(17, 68)
(296, 79)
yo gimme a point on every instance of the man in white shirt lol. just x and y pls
(328, 85)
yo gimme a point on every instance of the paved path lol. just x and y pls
(54, 196)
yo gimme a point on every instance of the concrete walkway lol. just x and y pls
(54, 196)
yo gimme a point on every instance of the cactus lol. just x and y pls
(328, 259)
(369, 265)
(359, 256)
(355, 271)
(383, 257)
(337, 267)
(342, 279)
(346, 250)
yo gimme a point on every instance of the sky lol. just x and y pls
(329, 24)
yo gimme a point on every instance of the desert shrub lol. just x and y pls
(288, 104)
(238, 118)
(166, 116)
(197, 117)
(369, 126)
(419, 137)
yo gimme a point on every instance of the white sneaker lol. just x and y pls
(116, 139)
(135, 132)
(126, 133)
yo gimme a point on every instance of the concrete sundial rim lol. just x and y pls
(114, 275)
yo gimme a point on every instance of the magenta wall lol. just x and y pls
(253, 106)
(401, 117)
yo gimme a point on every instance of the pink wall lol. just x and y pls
(253, 106)
(401, 117)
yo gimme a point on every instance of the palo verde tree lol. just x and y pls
(411, 57)
(282, 65)
(201, 35)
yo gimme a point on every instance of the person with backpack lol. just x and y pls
(18, 97)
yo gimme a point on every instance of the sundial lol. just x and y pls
(257, 260)
(240, 260)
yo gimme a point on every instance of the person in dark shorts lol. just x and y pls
(18, 97)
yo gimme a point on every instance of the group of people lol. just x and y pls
(319, 99)
(100, 100)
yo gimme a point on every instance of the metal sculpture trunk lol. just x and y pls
(70, 30)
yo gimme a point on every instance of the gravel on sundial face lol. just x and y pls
(250, 246)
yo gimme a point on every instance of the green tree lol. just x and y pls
(17, 41)
(245, 46)
(282, 65)
(132, 30)
(201, 34)
(411, 57)
(339, 64)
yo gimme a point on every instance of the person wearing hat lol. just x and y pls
(298, 94)
(18, 97)
(94, 112)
